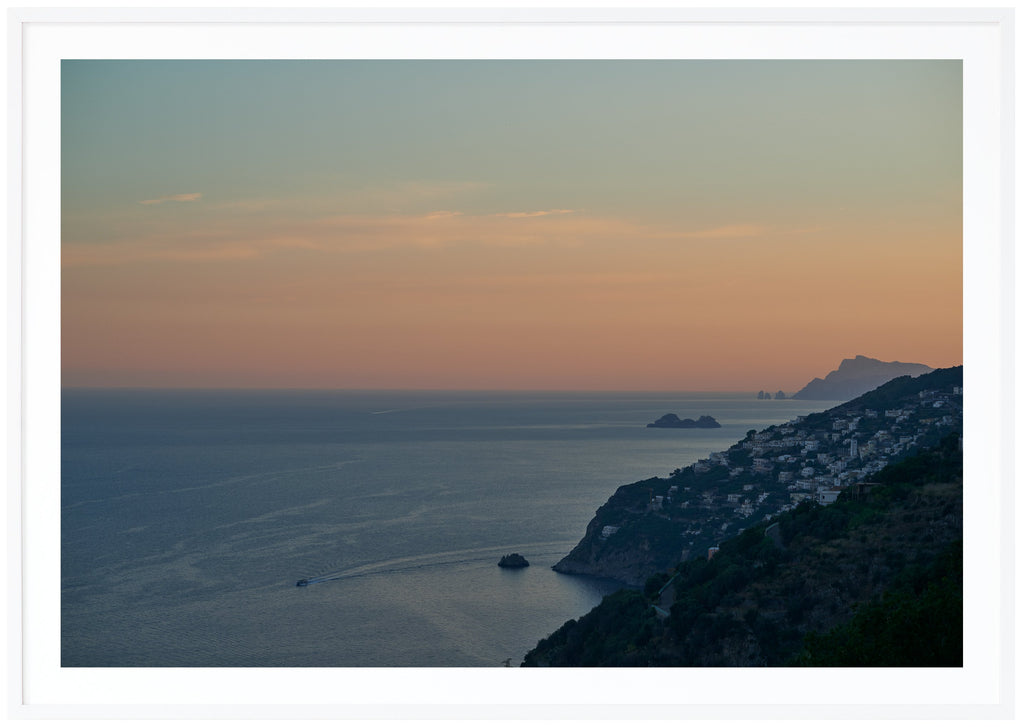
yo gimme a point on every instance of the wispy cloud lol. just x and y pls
(540, 213)
(189, 197)
(121, 253)
(247, 229)
(726, 231)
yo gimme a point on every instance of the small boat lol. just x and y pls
(302, 582)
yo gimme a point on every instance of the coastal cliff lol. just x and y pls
(625, 541)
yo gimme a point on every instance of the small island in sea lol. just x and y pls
(513, 560)
(671, 421)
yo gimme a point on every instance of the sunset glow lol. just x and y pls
(606, 225)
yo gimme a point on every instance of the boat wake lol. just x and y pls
(444, 558)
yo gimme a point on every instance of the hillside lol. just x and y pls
(649, 526)
(856, 376)
(875, 579)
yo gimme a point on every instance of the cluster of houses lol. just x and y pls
(819, 465)
(774, 470)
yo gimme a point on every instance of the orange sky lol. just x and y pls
(429, 248)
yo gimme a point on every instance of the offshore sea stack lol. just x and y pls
(513, 560)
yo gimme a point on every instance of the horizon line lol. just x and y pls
(79, 387)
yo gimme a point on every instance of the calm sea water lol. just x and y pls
(187, 518)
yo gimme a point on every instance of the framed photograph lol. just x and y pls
(332, 330)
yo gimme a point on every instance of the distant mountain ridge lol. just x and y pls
(856, 376)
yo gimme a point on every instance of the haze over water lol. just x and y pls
(188, 517)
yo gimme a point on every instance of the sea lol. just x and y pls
(189, 516)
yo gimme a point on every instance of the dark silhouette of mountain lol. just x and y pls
(856, 376)
(875, 579)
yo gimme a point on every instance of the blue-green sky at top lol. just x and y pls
(661, 136)
(790, 162)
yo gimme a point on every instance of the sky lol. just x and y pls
(536, 225)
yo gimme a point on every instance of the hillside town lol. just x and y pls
(812, 457)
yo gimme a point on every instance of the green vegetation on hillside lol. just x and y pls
(917, 623)
(873, 580)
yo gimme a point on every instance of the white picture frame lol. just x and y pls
(40, 687)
